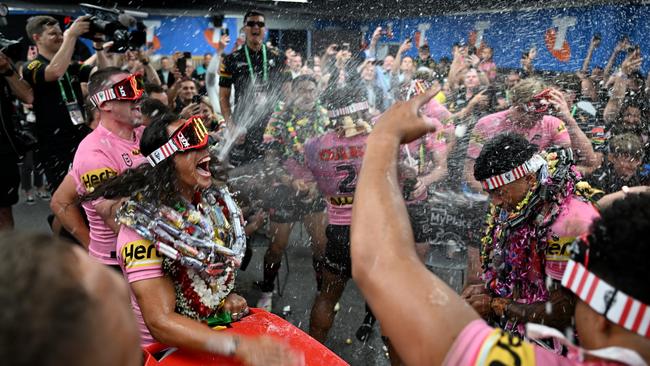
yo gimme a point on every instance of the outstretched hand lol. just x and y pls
(405, 120)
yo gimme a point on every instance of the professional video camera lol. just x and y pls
(118, 26)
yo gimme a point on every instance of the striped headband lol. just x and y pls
(356, 107)
(531, 165)
(605, 299)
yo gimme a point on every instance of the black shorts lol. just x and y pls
(337, 252)
(293, 209)
(420, 216)
(10, 181)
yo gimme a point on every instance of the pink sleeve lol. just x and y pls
(476, 140)
(559, 132)
(437, 110)
(138, 257)
(90, 168)
(465, 349)
(479, 344)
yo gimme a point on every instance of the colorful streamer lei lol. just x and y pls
(202, 242)
(512, 250)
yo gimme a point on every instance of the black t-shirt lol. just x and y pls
(7, 124)
(54, 127)
(234, 69)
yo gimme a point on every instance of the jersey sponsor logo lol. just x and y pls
(121, 90)
(135, 152)
(342, 153)
(561, 127)
(140, 253)
(127, 160)
(34, 65)
(558, 248)
(501, 348)
(93, 178)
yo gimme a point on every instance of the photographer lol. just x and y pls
(11, 86)
(58, 98)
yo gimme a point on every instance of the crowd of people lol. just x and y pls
(541, 176)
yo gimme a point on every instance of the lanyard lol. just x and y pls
(64, 95)
(265, 65)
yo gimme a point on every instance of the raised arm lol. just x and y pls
(631, 63)
(61, 60)
(411, 303)
(588, 160)
(592, 46)
(620, 46)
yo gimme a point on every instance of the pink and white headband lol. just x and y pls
(531, 165)
(605, 299)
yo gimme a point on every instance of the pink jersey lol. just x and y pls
(335, 162)
(102, 155)
(139, 260)
(570, 223)
(550, 131)
(479, 344)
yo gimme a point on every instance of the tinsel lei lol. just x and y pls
(202, 243)
(300, 127)
(513, 247)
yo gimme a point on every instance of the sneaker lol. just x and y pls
(266, 301)
(30, 199)
(44, 195)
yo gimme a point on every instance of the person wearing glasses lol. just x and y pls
(257, 74)
(180, 243)
(110, 149)
(612, 318)
(542, 116)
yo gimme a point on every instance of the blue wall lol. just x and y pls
(187, 34)
(512, 33)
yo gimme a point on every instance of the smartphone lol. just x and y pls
(597, 37)
(181, 64)
(345, 47)
(187, 55)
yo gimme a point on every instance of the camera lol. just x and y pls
(122, 29)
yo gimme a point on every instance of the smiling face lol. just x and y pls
(122, 111)
(187, 91)
(254, 33)
(192, 167)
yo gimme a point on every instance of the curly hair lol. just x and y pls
(619, 245)
(156, 184)
(501, 154)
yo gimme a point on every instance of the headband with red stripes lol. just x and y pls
(531, 165)
(617, 306)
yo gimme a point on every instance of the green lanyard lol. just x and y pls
(265, 65)
(64, 95)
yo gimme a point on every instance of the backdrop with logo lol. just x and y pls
(561, 36)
